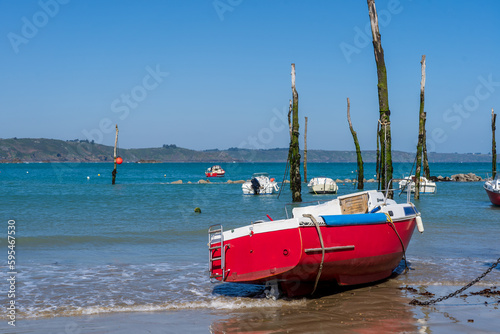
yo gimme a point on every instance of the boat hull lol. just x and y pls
(320, 189)
(322, 185)
(264, 186)
(354, 254)
(494, 196)
(214, 174)
(263, 191)
(426, 186)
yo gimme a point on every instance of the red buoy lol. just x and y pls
(119, 160)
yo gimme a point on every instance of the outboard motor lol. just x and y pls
(255, 186)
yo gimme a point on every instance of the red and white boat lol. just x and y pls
(492, 188)
(354, 239)
(215, 171)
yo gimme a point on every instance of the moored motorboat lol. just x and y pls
(354, 239)
(260, 184)
(492, 188)
(322, 185)
(426, 186)
(215, 171)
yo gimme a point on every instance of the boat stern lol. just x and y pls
(255, 253)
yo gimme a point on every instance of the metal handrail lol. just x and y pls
(220, 232)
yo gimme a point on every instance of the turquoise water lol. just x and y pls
(84, 246)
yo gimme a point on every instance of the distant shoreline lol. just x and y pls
(40, 150)
(227, 162)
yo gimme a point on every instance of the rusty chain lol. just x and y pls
(437, 300)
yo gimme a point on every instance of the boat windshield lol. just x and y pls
(260, 174)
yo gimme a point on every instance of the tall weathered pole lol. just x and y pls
(305, 151)
(361, 174)
(383, 100)
(294, 153)
(114, 158)
(493, 145)
(421, 131)
(425, 159)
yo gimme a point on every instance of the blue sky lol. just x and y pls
(210, 74)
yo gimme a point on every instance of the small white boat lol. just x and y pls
(492, 188)
(408, 183)
(322, 185)
(260, 184)
(215, 171)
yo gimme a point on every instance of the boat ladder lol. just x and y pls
(215, 234)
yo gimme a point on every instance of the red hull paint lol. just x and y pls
(215, 174)
(494, 197)
(370, 253)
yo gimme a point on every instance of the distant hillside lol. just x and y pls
(52, 150)
(280, 155)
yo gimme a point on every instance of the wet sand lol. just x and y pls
(378, 308)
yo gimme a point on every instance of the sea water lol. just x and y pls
(84, 246)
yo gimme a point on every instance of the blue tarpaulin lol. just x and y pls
(355, 219)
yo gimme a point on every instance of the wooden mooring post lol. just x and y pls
(493, 145)
(383, 99)
(359, 158)
(421, 132)
(294, 152)
(305, 151)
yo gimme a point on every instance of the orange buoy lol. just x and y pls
(119, 160)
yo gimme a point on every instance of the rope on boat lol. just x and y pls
(308, 215)
(391, 224)
(407, 183)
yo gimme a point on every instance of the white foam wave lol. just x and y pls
(219, 303)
